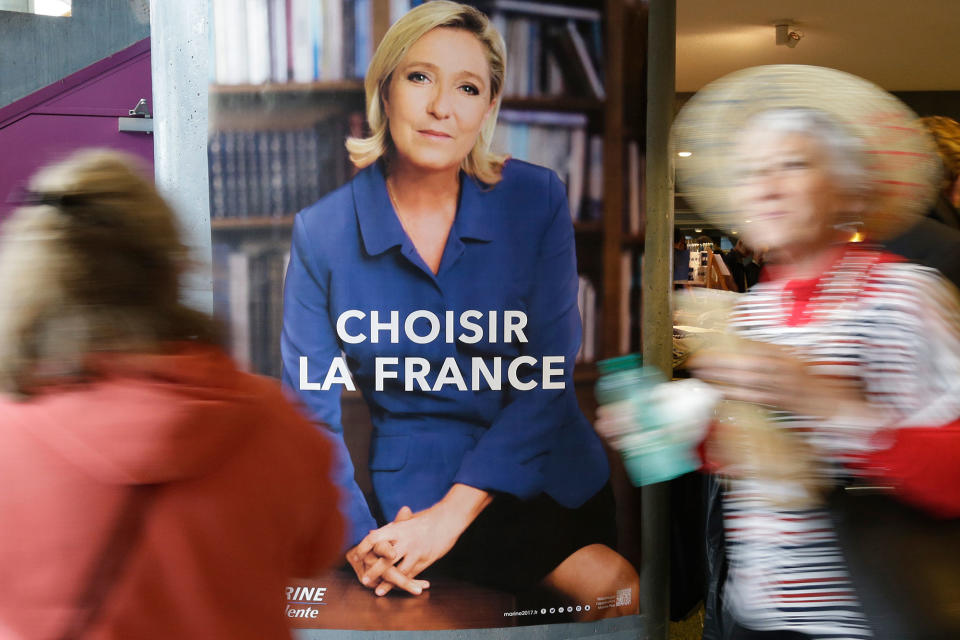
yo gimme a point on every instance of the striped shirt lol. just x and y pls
(890, 328)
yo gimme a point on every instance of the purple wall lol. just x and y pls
(79, 111)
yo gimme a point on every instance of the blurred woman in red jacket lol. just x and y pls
(150, 488)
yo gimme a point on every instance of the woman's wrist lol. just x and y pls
(462, 504)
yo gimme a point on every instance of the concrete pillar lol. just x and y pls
(180, 49)
(657, 324)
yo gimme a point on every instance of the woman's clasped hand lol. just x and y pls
(374, 564)
(396, 553)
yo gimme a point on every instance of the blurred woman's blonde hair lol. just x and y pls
(480, 163)
(91, 262)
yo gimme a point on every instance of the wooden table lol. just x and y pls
(347, 604)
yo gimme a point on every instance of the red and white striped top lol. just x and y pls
(894, 329)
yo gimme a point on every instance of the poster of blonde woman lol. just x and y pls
(432, 285)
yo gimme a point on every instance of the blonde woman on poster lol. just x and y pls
(443, 277)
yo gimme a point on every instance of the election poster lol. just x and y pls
(411, 210)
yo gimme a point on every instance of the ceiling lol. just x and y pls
(902, 45)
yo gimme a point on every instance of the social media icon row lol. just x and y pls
(567, 609)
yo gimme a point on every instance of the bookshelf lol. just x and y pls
(563, 103)
(591, 134)
(588, 227)
(606, 129)
(330, 86)
(255, 222)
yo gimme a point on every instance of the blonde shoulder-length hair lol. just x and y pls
(480, 163)
(91, 262)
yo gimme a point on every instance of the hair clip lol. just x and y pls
(26, 197)
(68, 204)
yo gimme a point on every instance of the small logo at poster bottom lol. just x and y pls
(623, 598)
(302, 602)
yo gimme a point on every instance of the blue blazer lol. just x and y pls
(511, 248)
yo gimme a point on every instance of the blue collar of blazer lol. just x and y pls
(380, 227)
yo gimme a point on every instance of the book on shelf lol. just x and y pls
(363, 44)
(299, 44)
(276, 172)
(238, 306)
(330, 58)
(291, 40)
(593, 205)
(229, 37)
(279, 52)
(397, 9)
(578, 60)
(576, 178)
(636, 302)
(552, 80)
(554, 49)
(248, 298)
(517, 38)
(587, 304)
(630, 301)
(636, 165)
(221, 281)
(543, 9)
(217, 177)
(400, 7)
(556, 140)
(626, 285)
(581, 61)
(259, 64)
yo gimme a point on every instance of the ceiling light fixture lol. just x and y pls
(684, 154)
(788, 35)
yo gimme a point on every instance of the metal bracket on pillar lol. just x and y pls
(140, 120)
